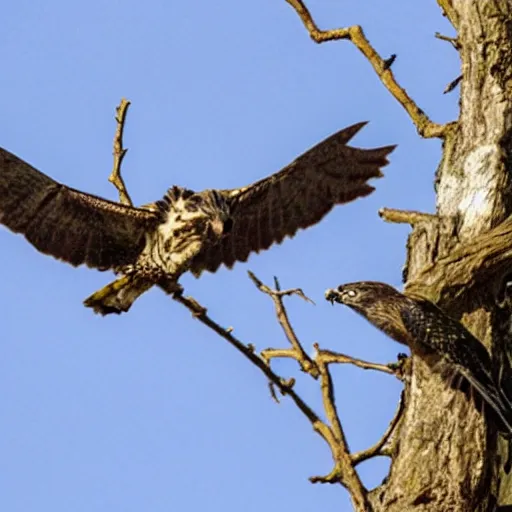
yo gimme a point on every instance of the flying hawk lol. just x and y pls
(186, 230)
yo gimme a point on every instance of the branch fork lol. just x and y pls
(317, 367)
(425, 127)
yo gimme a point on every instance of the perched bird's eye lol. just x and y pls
(351, 293)
(228, 226)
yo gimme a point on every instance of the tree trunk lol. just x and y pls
(447, 457)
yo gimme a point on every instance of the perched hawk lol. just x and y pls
(186, 230)
(441, 341)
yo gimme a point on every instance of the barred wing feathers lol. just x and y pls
(426, 322)
(68, 224)
(297, 197)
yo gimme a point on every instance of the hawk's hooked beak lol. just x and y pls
(335, 295)
(332, 296)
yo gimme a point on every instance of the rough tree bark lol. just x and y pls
(454, 461)
(459, 258)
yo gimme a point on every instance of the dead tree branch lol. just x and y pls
(306, 363)
(346, 475)
(343, 464)
(380, 448)
(454, 41)
(452, 85)
(404, 216)
(426, 128)
(331, 431)
(331, 358)
(119, 152)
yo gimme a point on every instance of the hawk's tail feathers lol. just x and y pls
(496, 400)
(118, 296)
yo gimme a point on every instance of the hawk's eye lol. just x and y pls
(348, 293)
(228, 226)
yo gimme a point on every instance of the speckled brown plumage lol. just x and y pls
(443, 342)
(296, 197)
(67, 224)
(185, 230)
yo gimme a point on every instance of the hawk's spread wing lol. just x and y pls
(298, 196)
(68, 224)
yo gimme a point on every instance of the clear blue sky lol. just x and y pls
(150, 410)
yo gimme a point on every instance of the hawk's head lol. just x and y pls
(360, 295)
(209, 214)
(192, 221)
(379, 303)
(206, 214)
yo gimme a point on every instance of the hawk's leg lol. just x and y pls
(118, 296)
(170, 285)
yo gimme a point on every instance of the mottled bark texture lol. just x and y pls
(447, 458)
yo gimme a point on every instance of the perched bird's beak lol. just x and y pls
(333, 296)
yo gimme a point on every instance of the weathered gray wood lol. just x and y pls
(447, 458)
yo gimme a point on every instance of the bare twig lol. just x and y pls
(274, 353)
(452, 85)
(332, 432)
(348, 477)
(333, 477)
(389, 61)
(343, 467)
(273, 393)
(201, 314)
(330, 357)
(454, 41)
(379, 448)
(329, 400)
(306, 363)
(405, 216)
(115, 177)
(426, 128)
